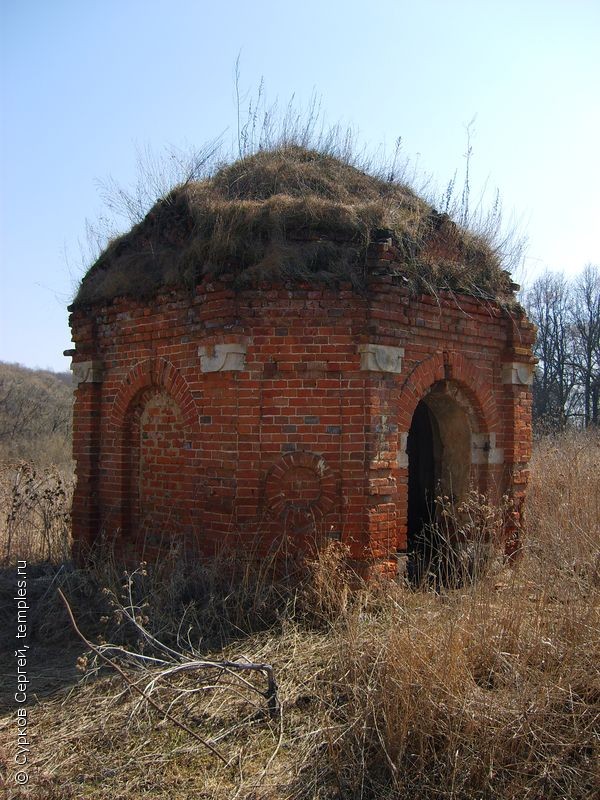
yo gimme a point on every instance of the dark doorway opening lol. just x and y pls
(421, 491)
(439, 449)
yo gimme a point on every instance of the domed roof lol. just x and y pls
(291, 214)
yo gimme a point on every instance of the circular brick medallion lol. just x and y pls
(300, 482)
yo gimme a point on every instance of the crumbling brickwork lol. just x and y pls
(277, 415)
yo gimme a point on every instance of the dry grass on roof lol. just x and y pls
(291, 214)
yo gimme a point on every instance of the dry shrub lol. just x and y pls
(205, 603)
(461, 543)
(36, 513)
(199, 604)
(329, 588)
(202, 603)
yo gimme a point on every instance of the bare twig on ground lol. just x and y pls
(134, 686)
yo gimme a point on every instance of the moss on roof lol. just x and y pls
(291, 214)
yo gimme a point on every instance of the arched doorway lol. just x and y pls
(421, 475)
(439, 465)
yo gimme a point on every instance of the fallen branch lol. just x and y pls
(230, 667)
(135, 687)
(189, 665)
(184, 663)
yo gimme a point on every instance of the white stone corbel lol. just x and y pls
(402, 457)
(87, 371)
(484, 450)
(381, 358)
(223, 357)
(517, 373)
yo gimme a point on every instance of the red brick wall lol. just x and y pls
(300, 442)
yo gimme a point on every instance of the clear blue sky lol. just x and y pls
(84, 83)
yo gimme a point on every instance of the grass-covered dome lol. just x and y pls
(292, 214)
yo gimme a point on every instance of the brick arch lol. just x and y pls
(483, 418)
(459, 369)
(152, 515)
(479, 391)
(153, 373)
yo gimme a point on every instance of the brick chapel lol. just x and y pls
(291, 351)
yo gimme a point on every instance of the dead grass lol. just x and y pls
(290, 213)
(487, 691)
(563, 508)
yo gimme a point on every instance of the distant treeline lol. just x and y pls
(36, 408)
(566, 389)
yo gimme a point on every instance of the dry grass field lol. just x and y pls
(490, 690)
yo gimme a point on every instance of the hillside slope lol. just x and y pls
(35, 415)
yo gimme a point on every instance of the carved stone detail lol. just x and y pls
(402, 457)
(517, 373)
(87, 371)
(381, 358)
(484, 450)
(223, 357)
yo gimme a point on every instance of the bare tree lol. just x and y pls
(585, 319)
(567, 382)
(549, 307)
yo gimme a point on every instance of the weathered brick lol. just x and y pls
(298, 442)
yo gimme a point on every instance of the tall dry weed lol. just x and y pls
(563, 506)
(35, 520)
